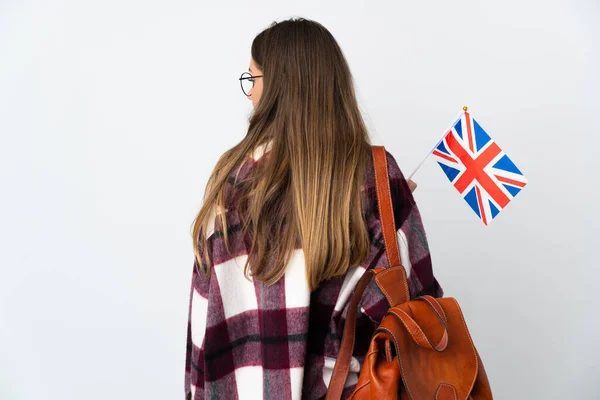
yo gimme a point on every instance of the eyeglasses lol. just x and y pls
(247, 82)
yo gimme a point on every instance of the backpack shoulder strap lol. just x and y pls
(391, 281)
(384, 203)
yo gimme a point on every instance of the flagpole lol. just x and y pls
(465, 109)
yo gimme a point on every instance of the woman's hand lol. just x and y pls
(412, 185)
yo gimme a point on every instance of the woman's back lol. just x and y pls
(249, 339)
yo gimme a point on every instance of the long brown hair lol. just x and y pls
(307, 192)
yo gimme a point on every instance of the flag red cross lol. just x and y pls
(474, 169)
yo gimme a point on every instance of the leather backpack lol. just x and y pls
(422, 349)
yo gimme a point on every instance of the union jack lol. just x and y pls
(481, 172)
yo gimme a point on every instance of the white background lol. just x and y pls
(113, 113)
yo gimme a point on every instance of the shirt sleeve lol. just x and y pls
(412, 240)
(196, 328)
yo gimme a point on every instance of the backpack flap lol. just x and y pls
(433, 349)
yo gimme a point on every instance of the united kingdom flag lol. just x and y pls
(482, 173)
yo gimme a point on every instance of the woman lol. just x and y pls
(297, 198)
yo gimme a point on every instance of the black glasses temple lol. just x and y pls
(250, 77)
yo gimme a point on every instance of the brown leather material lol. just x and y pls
(422, 349)
(384, 203)
(342, 363)
(420, 370)
(393, 276)
(482, 388)
(378, 269)
(386, 382)
(446, 392)
(389, 278)
(424, 369)
(415, 331)
(435, 305)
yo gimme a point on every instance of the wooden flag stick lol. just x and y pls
(465, 109)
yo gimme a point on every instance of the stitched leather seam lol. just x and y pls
(342, 365)
(346, 366)
(359, 388)
(418, 327)
(435, 310)
(378, 278)
(445, 384)
(399, 360)
(428, 341)
(386, 191)
(377, 188)
(388, 351)
(433, 299)
(471, 341)
(387, 295)
(373, 352)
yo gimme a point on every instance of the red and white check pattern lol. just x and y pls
(248, 340)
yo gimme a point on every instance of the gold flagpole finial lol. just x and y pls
(465, 108)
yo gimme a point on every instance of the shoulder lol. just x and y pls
(239, 175)
(394, 170)
(402, 198)
(398, 183)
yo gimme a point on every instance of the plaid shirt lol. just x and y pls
(249, 340)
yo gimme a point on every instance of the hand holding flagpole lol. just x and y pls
(465, 109)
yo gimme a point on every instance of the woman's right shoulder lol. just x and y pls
(395, 174)
(402, 198)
